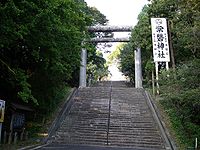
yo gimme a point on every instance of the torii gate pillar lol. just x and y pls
(82, 77)
(138, 69)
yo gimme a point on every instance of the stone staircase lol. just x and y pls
(110, 114)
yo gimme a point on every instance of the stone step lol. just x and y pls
(113, 84)
(79, 142)
(122, 143)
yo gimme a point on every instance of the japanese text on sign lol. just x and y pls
(160, 40)
(18, 120)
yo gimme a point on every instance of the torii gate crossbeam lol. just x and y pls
(103, 40)
(109, 28)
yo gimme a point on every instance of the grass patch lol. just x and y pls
(173, 122)
(184, 131)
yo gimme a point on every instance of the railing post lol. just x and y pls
(15, 138)
(4, 137)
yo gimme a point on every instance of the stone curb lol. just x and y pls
(61, 116)
(170, 145)
(32, 147)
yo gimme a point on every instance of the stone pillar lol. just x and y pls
(138, 69)
(82, 77)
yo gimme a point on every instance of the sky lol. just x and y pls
(119, 13)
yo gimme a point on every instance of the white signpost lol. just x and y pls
(2, 111)
(160, 43)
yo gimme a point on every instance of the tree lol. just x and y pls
(114, 55)
(40, 44)
(127, 61)
(99, 69)
(140, 37)
(96, 64)
(184, 25)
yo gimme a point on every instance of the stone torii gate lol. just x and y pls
(138, 68)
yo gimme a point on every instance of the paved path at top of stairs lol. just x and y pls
(109, 117)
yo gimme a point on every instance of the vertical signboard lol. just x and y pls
(160, 40)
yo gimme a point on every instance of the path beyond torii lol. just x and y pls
(110, 116)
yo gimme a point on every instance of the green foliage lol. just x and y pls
(40, 44)
(140, 37)
(184, 23)
(186, 77)
(181, 92)
(114, 56)
(99, 17)
(148, 70)
(24, 92)
(97, 68)
(127, 61)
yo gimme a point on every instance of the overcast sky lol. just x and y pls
(119, 12)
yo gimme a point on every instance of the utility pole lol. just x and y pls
(171, 46)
